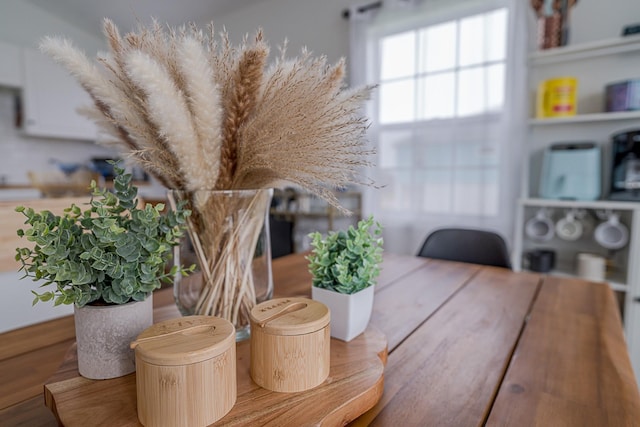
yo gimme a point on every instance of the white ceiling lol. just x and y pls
(88, 14)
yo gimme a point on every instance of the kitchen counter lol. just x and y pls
(18, 192)
(22, 191)
(15, 186)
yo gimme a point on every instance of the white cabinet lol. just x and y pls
(10, 65)
(594, 65)
(51, 98)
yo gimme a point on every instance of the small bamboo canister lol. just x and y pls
(186, 371)
(290, 344)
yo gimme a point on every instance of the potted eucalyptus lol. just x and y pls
(106, 260)
(344, 266)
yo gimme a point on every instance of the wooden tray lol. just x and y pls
(354, 385)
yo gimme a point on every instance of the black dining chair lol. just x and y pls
(467, 245)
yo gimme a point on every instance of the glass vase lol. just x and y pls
(228, 241)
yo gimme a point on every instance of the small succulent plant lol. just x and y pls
(347, 261)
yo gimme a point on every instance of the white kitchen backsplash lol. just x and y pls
(20, 154)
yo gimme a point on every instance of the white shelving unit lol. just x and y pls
(587, 118)
(595, 65)
(619, 275)
(586, 50)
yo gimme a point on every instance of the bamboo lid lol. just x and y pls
(290, 316)
(185, 340)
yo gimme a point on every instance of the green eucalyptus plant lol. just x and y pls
(347, 262)
(110, 253)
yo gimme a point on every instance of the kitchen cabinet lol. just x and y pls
(51, 98)
(595, 65)
(10, 66)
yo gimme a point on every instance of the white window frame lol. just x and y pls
(488, 119)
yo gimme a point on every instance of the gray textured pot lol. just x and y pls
(103, 335)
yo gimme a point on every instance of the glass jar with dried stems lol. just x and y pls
(228, 241)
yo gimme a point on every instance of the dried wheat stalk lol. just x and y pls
(201, 114)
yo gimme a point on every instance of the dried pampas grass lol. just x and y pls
(200, 114)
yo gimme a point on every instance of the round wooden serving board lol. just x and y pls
(354, 385)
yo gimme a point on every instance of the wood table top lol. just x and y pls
(467, 345)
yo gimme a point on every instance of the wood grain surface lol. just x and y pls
(448, 370)
(572, 363)
(468, 345)
(26, 363)
(290, 344)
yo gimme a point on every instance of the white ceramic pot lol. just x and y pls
(350, 314)
(103, 336)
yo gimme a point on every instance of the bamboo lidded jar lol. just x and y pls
(186, 371)
(290, 344)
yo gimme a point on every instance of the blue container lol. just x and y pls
(623, 96)
(571, 171)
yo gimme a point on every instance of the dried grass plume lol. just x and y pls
(199, 113)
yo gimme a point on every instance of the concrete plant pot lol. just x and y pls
(103, 336)
(350, 314)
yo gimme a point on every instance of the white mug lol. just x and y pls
(540, 227)
(569, 228)
(612, 234)
(591, 267)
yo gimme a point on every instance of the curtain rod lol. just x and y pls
(365, 8)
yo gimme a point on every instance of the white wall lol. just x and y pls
(318, 25)
(597, 19)
(24, 25)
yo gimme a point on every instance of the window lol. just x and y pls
(440, 99)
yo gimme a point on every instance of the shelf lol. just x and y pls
(616, 286)
(586, 50)
(313, 214)
(587, 118)
(584, 204)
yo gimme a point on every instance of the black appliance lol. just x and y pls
(625, 166)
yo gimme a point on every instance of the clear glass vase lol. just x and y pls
(228, 241)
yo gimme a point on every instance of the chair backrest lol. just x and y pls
(467, 245)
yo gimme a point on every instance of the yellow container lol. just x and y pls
(290, 344)
(186, 372)
(557, 97)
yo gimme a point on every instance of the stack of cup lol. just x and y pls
(591, 267)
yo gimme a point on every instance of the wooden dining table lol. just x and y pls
(467, 345)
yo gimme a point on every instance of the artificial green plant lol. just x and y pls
(112, 252)
(347, 261)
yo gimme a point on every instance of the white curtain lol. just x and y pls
(407, 226)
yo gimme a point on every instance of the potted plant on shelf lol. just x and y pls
(106, 260)
(344, 266)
